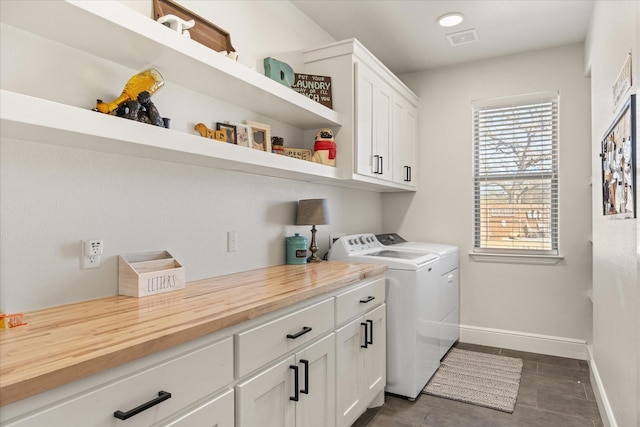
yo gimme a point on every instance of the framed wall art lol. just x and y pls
(260, 136)
(229, 130)
(618, 164)
(243, 135)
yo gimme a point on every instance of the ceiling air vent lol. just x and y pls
(463, 37)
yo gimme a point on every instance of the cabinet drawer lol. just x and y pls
(218, 412)
(359, 300)
(262, 344)
(188, 377)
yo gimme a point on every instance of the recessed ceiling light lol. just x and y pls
(451, 19)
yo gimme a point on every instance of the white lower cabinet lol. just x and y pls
(314, 364)
(361, 364)
(298, 391)
(144, 397)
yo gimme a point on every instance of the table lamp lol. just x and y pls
(313, 212)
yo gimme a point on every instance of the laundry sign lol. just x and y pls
(317, 88)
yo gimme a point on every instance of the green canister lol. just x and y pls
(296, 249)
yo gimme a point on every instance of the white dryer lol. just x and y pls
(413, 334)
(448, 267)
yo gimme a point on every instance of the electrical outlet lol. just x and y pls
(93, 247)
(91, 261)
(91, 251)
(232, 241)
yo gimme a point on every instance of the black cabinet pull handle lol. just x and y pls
(366, 341)
(381, 170)
(162, 396)
(407, 173)
(305, 390)
(304, 330)
(296, 395)
(367, 299)
(370, 322)
(377, 164)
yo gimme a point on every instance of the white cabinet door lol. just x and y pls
(364, 143)
(404, 141)
(316, 406)
(373, 123)
(350, 401)
(265, 399)
(299, 391)
(382, 119)
(374, 355)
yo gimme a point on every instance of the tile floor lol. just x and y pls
(554, 391)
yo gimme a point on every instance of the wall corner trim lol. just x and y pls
(606, 412)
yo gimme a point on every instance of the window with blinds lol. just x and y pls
(516, 175)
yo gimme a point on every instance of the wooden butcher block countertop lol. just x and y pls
(63, 344)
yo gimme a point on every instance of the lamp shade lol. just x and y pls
(313, 212)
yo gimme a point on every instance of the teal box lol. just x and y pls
(296, 249)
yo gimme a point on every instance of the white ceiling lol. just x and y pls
(405, 36)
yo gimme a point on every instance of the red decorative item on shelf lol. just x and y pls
(324, 149)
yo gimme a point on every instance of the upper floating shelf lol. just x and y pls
(115, 32)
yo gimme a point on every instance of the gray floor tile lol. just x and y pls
(568, 406)
(543, 358)
(475, 347)
(561, 387)
(554, 391)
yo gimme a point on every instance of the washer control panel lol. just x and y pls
(354, 244)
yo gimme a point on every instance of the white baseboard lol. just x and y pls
(522, 341)
(606, 413)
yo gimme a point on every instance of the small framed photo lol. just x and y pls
(260, 136)
(243, 135)
(229, 130)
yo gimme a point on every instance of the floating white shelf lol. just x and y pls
(115, 32)
(33, 119)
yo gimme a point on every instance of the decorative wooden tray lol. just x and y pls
(203, 32)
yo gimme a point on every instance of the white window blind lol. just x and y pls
(516, 175)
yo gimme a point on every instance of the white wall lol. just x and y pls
(530, 307)
(614, 32)
(53, 197)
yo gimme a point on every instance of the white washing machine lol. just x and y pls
(413, 335)
(449, 289)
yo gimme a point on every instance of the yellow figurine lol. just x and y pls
(147, 81)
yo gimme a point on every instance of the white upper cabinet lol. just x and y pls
(377, 142)
(404, 141)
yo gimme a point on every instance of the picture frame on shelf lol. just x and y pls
(229, 130)
(260, 136)
(618, 164)
(243, 135)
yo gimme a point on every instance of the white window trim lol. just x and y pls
(489, 255)
(516, 258)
